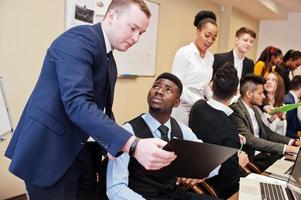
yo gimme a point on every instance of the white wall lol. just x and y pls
(284, 34)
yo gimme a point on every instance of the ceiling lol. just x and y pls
(263, 9)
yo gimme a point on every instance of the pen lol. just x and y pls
(242, 144)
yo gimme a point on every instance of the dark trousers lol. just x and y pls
(78, 183)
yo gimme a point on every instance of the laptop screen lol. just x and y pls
(294, 181)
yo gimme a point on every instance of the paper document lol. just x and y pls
(285, 108)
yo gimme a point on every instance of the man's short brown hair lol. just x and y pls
(244, 30)
(119, 5)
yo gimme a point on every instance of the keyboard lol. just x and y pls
(271, 191)
(296, 195)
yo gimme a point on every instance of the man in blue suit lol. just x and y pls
(49, 148)
(293, 96)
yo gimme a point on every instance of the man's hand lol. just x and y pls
(281, 115)
(297, 143)
(291, 149)
(273, 118)
(187, 182)
(151, 156)
(268, 108)
(243, 159)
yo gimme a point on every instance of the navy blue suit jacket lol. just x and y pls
(293, 123)
(222, 58)
(65, 108)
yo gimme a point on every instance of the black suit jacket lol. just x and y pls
(222, 58)
(215, 127)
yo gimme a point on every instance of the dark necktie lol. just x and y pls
(112, 76)
(164, 132)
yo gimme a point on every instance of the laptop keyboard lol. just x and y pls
(297, 196)
(271, 191)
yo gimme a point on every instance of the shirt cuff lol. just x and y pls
(284, 149)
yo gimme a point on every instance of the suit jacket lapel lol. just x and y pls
(244, 109)
(231, 57)
(244, 63)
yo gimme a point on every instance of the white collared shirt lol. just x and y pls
(195, 73)
(253, 119)
(238, 64)
(107, 42)
(220, 106)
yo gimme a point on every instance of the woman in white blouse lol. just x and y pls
(193, 65)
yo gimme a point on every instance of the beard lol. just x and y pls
(154, 109)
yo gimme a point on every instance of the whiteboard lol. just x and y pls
(5, 124)
(141, 58)
(138, 60)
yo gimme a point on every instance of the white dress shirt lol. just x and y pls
(238, 64)
(253, 120)
(195, 73)
(220, 106)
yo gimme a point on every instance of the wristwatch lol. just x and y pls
(133, 147)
